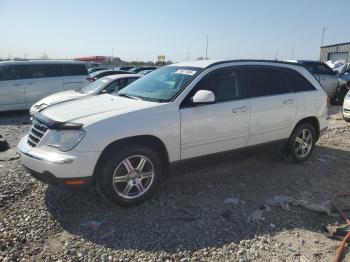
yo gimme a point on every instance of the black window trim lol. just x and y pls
(238, 67)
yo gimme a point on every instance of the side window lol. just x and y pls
(74, 70)
(263, 81)
(223, 83)
(130, 80)
(9, 72)
(298, 82)
(322, 69)
(113, 87)
(311, 67)
(40, 71)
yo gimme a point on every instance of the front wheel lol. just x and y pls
(302, 142)
(131, 175)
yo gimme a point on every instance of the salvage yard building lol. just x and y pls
(336, 52)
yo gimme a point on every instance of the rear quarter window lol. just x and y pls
(298, 82)
(74, 70)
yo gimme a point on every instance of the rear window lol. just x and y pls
(74, 70)
(40, 71)
(9, 72)
(298, 82)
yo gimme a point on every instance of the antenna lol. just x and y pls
(323, 30)
(206, 50)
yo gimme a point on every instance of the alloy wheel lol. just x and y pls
(133, 176)
(303, 143)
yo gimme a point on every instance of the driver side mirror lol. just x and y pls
(203, 97)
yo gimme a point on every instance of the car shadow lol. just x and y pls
(189, 211)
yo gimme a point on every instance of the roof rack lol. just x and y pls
(254, 60)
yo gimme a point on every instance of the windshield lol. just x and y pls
(94, 86)
(162, 84)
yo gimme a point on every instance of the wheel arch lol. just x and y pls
(311, 120)
(146, 140)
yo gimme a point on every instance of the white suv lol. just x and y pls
(23, 83)
(123, 144)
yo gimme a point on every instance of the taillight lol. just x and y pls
(90, 79)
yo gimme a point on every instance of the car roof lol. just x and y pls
(26, 62)
(112, 77)
(212, 62)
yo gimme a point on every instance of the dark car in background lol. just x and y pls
(95, 69)
(142, 68)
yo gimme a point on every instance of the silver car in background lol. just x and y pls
(106, 85)
(324, 74)
(23, 83)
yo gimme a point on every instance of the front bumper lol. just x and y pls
(50, 166)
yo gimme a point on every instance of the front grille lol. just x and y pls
(37, 131)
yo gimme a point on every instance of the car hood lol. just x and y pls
(94, 108)
(60, 97)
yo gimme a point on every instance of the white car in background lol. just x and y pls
(108, 84)
(23, 83)
(346, 105)
(123, 144)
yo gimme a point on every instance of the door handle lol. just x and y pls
(239, 109)
(288, 101)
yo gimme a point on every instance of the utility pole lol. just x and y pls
(323, 30)
(292, 51)
(206, 50)
(187, 54)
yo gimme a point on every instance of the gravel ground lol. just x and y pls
(218, 212)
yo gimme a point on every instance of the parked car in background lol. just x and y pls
(125, 68)
(138, 69)
(95, 69)
(323, 73)
(144, 72)
(22, 83)
(346, 104)
(96, 75)
(124, 144)
(105, 85)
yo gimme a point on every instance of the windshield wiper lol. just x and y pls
(129, 96)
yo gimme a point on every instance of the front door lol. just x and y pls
(217, 127)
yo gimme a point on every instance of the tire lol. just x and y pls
(302, 136)
(123, 181)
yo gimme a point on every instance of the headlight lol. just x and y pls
(65, 140)
(347, 97)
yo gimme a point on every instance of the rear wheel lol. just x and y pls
(131, 175)
(301, 142)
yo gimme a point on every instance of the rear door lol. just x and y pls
(216, 127)
(12, 93)
(40, 81)
(74, 76)
(273, 103)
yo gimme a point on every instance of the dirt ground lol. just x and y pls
(223, 211)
